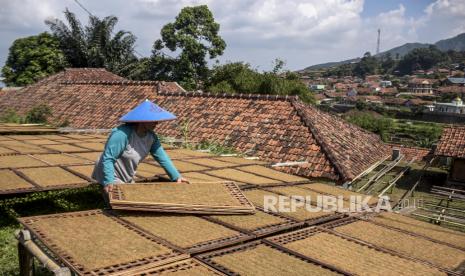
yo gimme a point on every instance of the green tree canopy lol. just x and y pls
(194, 34)
(420, 59)
(96, 45)
(32, 58)
(368, 65)
(239, 77)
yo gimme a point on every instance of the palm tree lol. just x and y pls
(96, 45)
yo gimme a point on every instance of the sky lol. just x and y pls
(300, 32)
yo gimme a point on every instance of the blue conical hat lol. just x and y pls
(147, 112)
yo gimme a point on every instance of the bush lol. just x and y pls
(10, 116)
(38, 114)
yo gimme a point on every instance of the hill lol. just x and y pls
(456, 43)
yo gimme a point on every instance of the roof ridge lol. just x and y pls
(231, 96)
(113, 82)
(319, 139)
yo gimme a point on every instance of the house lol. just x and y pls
(420, 86)
(317, 87)
(456, 106)
(351, 92)
(385, 83)
(455, 81)
(452, 146)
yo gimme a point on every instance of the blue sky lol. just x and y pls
(301, 32)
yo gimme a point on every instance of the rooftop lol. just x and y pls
(452, 142)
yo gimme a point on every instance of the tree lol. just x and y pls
(420, 59)
(95, 45)
(194, 33)
(32, 58)
(368, 65)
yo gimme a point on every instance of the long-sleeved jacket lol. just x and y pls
(117, 143)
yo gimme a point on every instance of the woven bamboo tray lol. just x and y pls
(210, 162)
(244, 177)
(66, 148)
(7, 151)
(91, 145)
(262, 259)
(270, 173)
(258, 224)
(350, 255)
(10, 183)
(25, 137)
(201, 177)
(91, 156)
(199, 197)
(41, 142)
(188, 233)
(437, 254)
(95, 243)
(183, 166)
(23, 147)
(240, 161)
(19, 161)
(189, 267)
(60, 159)
(421, 228)
(256, 196)
(51, 176)
(185, 153)
(145, 170)
(332, 190)
(83, 171)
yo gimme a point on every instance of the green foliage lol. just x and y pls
(368, 65)
(10, 116)
(38, 114)
(215, 147)
(32, 58)
(366, 121)
(239, 77)
(194, 34)
(94, 45)
(421, 59)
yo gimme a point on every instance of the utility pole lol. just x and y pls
(377, 43)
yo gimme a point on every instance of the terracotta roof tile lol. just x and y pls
(452, 142)
(278, 129)
(85, 97)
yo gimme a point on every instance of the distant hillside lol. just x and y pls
(456, 43)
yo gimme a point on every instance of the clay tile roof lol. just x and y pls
(85, 98)
(277, 129)
(452, 142)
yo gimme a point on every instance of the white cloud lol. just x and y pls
(303, 32)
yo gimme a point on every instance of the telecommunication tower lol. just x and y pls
(377, 43)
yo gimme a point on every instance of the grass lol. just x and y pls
(37, 204)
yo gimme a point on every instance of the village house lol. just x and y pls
(456, 106)
(420, 86)
(452, 146)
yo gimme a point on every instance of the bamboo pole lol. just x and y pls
(27, 250)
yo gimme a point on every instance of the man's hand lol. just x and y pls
(182, 180)
(108, 188)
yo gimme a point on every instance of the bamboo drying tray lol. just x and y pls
(270, 173)
(96, 243)
(91, 145)
(262, 259)
(91, 156)
(210, 162)
(350, 255)
(19, 161)
(66, 148)
(10, 182)
(416, 247)
(244, 177)
(60, 159)
(421, 228)
(333, 190)
(198, 197)
(186, 232)
(52, 176)
(189, 267)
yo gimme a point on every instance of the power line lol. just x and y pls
(86, 10)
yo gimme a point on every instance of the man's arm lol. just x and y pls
(113, 149)
(164, 160)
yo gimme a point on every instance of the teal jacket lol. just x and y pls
(116, 145)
